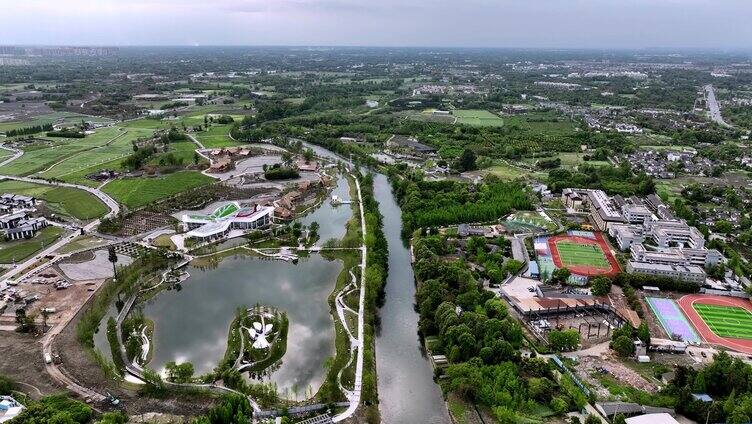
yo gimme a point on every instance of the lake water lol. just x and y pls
(331, 219)
(192, 324)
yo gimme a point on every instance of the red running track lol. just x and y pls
(586, 270)
(686, 302)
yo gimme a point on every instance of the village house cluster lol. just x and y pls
(666, 165)
(223, 160)
(16, 221)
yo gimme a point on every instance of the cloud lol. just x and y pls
(484, 23)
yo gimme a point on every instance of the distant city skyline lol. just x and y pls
(601, 24)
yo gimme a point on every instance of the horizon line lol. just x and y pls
(374, 46)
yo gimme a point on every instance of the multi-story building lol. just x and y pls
(669, 233)
(690, 273)
(602, 211)
(676, 256)
(636, 214)
(627, 235)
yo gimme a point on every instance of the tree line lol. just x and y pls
(28, 130)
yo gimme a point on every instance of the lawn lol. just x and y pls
(54, 117)
(137, 192)
(19, 250)
(726, 321)
(573, 254)
(95, 158)
(68, 201)
(542, 124)
(505, 171)
(532, 219)
(71, 155)
(216, 136)
(82, 242)
(569, 160)
(478, 118)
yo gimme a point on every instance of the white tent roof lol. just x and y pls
(662, 418)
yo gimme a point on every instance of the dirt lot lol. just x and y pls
(581, 323)
(625, 375)
(22, 360)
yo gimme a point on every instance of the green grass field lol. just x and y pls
(478, 118)
(94, 159)
(532, 219)
(137, 192)
(54, 117)
(726, 321)
(68, 156)
(21, 249)
(573, 254)
(569, 160)
(506, 171)
(216, 136)
(542, 124)
(61, 200)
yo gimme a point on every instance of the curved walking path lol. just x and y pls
(138, 372)
(354, 396)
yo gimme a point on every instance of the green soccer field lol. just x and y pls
(477, 117)
(581, 254)
(726, 321)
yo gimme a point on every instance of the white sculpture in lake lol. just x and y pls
(259, 333)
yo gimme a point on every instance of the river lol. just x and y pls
(407, 392)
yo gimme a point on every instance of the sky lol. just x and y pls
(706, 24)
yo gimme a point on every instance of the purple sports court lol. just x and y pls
(672, 319)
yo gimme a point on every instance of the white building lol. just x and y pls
(225, 219)
(9, 408)
(26, 228)
(636, 214)
(690, 273)
(675, 232)
(661, 418)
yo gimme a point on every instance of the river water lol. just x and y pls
(407, 393)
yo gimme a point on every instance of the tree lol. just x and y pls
(619, 419)
(308, 155)
(286, 158)
(623, 346)
(592, 419)
(560, 275)
(559, 405)
(466, 161)
(118, 417)
(643, 333)
(112, 257)
(6, 385)
(179, 373)
(564, 340)
(600, 286)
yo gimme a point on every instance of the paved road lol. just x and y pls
(714, 109)
(195, 140)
